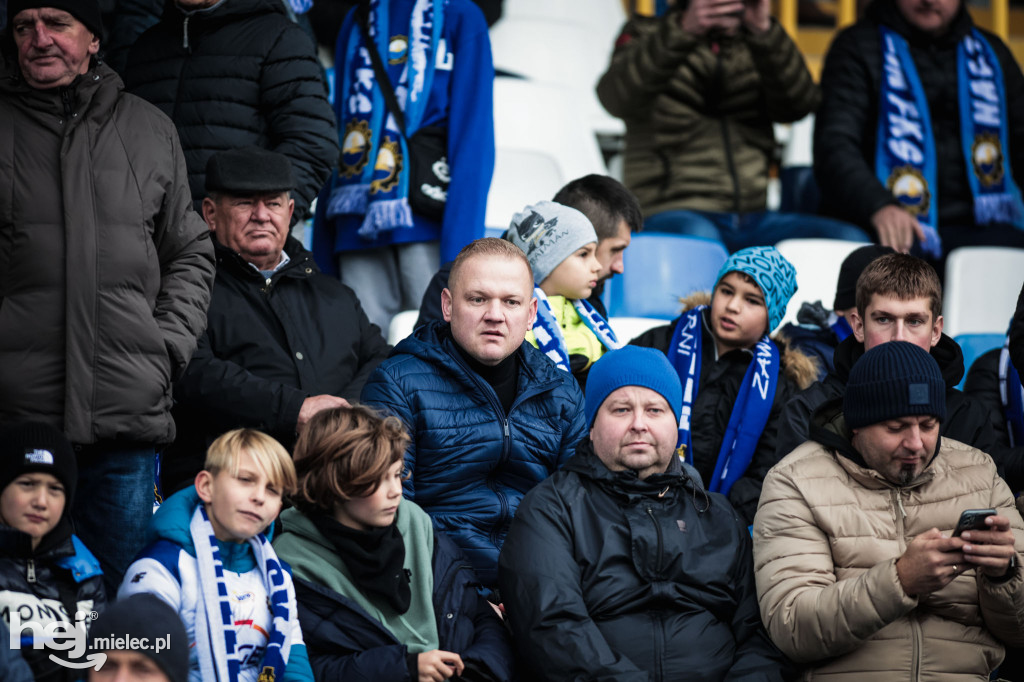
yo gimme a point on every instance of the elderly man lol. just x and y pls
(106, 269)
(905, 92)
(620, 566)
(283, 341)
(490, 416)
(858, 572)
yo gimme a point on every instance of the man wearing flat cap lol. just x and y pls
(860, 575)
(106, 269)
(283, 340)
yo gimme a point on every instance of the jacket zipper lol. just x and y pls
(661, 543)
(659, 647)
(184, 34)
(65, 98)
(730, 162)
(30, 571)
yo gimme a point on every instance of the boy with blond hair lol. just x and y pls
(209, 557)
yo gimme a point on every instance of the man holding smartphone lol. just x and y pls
(859, 575)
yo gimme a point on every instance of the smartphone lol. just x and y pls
(972, 519)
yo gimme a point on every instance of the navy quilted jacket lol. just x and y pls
(471, 465)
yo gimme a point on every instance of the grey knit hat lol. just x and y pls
(548, 233)
(896, 379)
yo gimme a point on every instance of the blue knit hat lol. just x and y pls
(632, 366)
(775, 275)
(893, 380)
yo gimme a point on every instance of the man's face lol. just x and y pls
(490, 307)
(887, 318)
(610, 250)
(256, 226)
(931, 16)
(635, 429)
(54, 48)
(899, 449)
(128, 666)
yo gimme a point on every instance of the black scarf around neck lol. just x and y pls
(375, 558)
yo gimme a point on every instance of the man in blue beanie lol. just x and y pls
(622, 535)
(859, 573)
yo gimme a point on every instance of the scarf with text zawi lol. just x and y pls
(1012, 395)
(905, 157)
(214, 628)
(750, 411)
(550, 339)
(373, 168)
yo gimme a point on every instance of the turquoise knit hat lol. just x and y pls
(775, 275)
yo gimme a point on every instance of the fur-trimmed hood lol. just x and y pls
(799, 368)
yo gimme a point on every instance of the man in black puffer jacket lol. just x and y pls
(620, 566)
(847, 123)
(234, 73)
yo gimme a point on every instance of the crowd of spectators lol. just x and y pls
(213, 466)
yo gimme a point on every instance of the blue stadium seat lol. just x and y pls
(659, 270)
(974, 346)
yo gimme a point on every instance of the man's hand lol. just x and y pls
(990, 550)
(896, 228)
(704, 15)
(315, 403)
(438, 665)
(757, 16)
(930, 563)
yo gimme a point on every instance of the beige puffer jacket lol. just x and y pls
(827, 535)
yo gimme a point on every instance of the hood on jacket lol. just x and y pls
(228, 10)
(798, 367)
(828, 428)
(627, 486)
(172, 521)
(946, 352)
(886, 12)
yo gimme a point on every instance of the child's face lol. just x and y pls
(378, 509)
(242, 505)
(33, 503)
(576, 276)
(739, 317)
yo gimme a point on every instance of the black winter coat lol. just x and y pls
(347, 643)
(43, 586)
(846, 123)
(967, 420)
(268, 346)
(720, 382)
(1017, 336)
(239, 73)
(607, 577)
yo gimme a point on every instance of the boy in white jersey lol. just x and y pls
(209, 557)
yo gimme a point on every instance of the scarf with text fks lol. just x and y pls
(373, 173)
(214, 627)
(905, 157)
(750, 411)
(548, 333)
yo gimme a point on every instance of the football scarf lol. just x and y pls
(548, 333)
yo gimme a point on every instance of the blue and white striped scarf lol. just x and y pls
(214, 628)
(905, 156)
(548, 333)
(373, 177)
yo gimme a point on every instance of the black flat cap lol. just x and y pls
(249, 170)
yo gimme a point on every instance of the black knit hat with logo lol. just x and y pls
(86, 11)
(146, 617)
(30, 447)
(893, 380)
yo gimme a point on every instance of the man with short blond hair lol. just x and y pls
(490, 416)
(107, 270)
